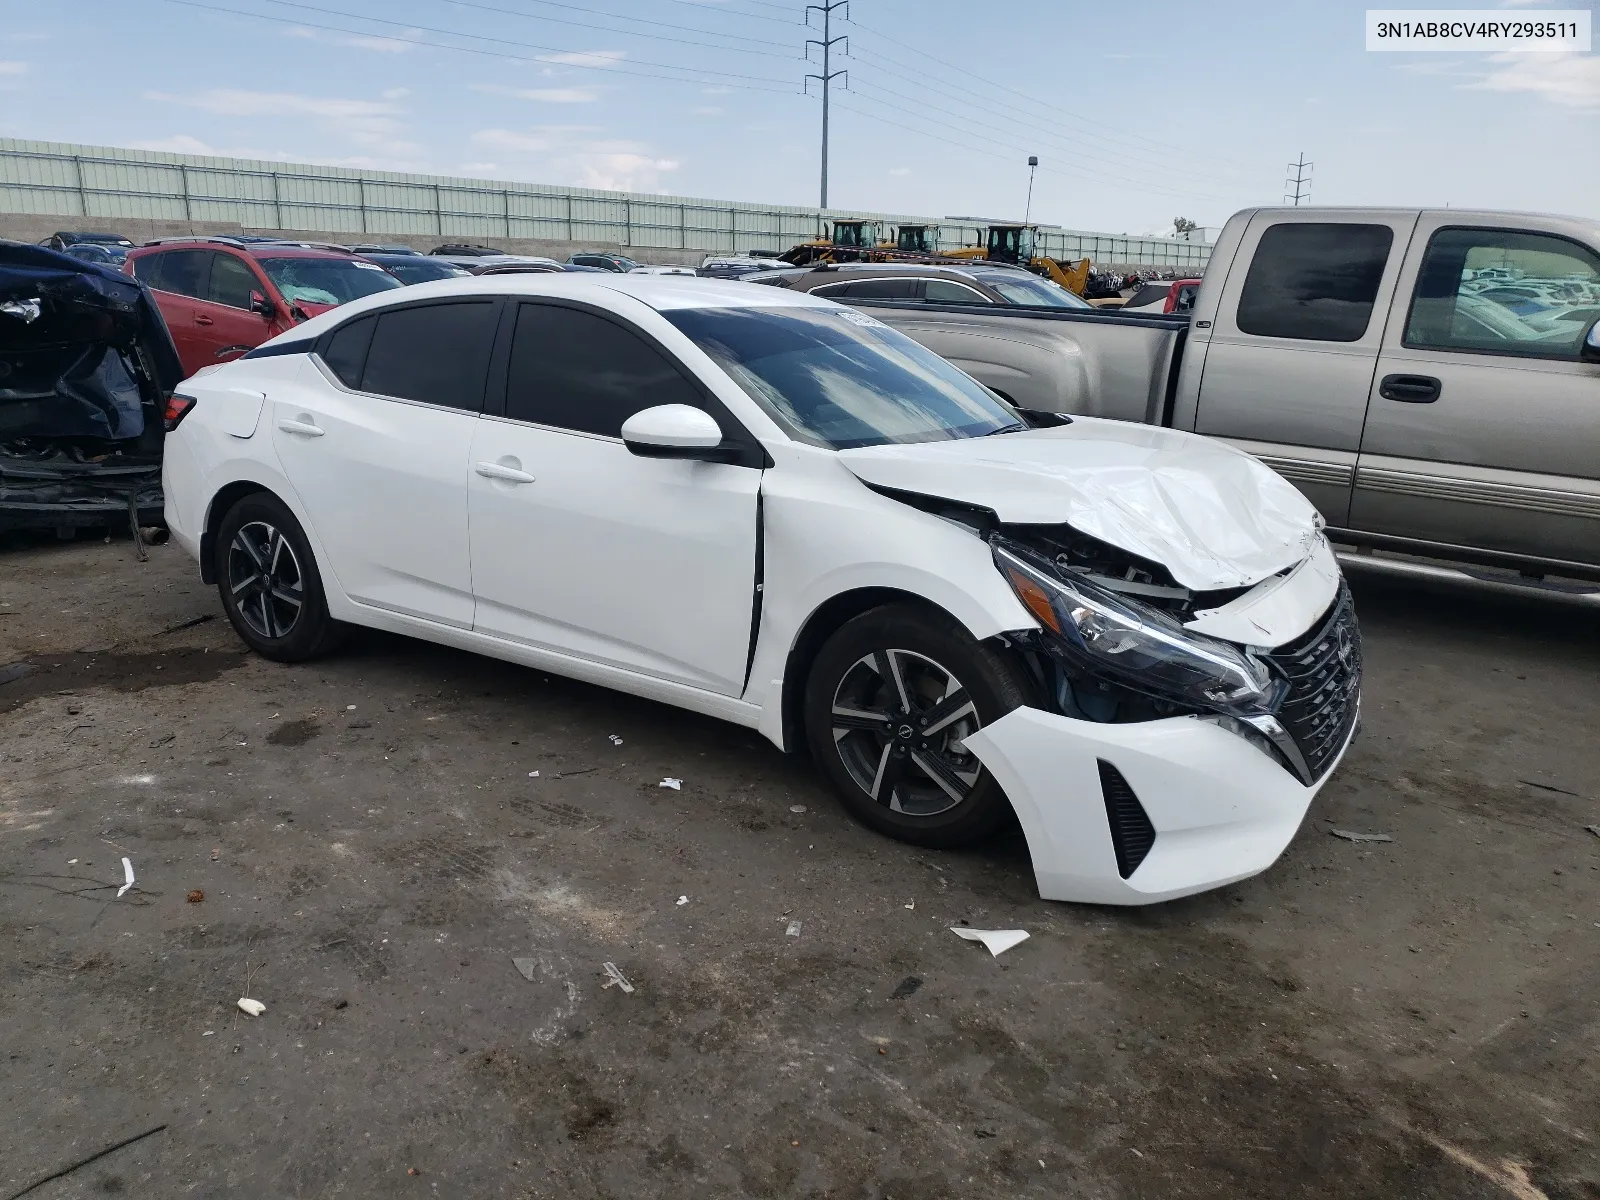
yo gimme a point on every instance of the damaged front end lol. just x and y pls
(1120, 641)
(86, 368)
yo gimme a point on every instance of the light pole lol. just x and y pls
(1033, 165)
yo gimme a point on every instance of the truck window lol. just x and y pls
(1314, 281)
(1499, 291)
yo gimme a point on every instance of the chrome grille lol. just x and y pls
(1324, 672)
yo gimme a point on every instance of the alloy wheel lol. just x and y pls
(265, 580)
(899, 722)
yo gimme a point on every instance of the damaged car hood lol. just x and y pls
(1212, 515)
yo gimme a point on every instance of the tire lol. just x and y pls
(259, 543)
(915, 783)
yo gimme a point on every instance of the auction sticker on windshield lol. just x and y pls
(1497, 30)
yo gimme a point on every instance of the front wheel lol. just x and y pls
(269, 582)
(890, 700)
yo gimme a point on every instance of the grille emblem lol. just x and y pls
(1344, 644)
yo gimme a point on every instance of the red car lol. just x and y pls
(223, 296)
(1165, 295)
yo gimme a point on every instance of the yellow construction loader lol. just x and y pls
(850, 239)
(1016, 245)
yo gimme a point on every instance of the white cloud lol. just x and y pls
(1567, 80)
(586, 58)
(899, 170)
(708, 110)
(571, 154)
(359, 41)
(555, 95)
(395, 93)
(716, 91)
(11, 73)
(373, 124)
(183, 143)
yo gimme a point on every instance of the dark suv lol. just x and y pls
(916, 283)
(605, 262)
(223, 296)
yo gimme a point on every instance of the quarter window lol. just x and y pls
(574, 370)
(435, 353)
(1504, 292)
(1314, 281)
(346, 352)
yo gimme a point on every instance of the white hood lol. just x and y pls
(1212, 515)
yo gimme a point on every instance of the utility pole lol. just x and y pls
(827, 42)
(1300, 180)
(1033, 165)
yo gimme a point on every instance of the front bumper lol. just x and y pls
(1219, 808)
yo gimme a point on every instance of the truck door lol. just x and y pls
(1295, 342)
(1484, 426)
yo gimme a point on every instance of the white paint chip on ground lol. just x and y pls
(615, 978)
(349, 708)
(669, 782)
(529, 967)
(615, 740)
(797, 808)
(682, 900)
(533, 774)
(912, 906)
(253, 1007)
(793, 930)
(1351, 836)
(127, 875)
(997, 940)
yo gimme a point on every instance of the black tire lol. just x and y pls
(269, 583)
(906, 785)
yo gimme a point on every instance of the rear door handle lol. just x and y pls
(1410, 389)
(303, 428)
(204, 321)
(492, 470)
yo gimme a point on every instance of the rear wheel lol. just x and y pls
(890, 700)
(269, 582)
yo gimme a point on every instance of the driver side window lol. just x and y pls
(1500, 291)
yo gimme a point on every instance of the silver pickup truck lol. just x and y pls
(1430, 379)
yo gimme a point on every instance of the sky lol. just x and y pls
(1139, 111)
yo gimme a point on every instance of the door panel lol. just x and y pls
(1290, 358)
(1507, 455)
(384, 484)
(643, 563)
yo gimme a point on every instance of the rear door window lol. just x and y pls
(1314, 281)
(886, 289)
(948, 291)
(575, 370)
(182, 272)
(433, 354)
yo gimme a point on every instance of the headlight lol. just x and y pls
(1140, 647)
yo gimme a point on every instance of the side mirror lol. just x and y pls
(260, 304)
(673, 431)
(1589, 351)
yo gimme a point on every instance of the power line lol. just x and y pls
(609, 66)
(1300, 181)
(734, 12)
(1124, 133)
(527, 16)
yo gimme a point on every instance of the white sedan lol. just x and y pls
(771, 508)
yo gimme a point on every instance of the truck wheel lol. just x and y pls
(269, 583)
(888, 702)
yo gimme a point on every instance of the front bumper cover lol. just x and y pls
(1221, 809)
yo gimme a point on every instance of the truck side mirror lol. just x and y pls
(1589, 351)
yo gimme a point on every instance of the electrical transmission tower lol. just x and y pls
(1299, 180)
(827, 42)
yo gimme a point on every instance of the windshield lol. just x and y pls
(326, 280)
(837, 377)
(421, 270)
(1029, 289)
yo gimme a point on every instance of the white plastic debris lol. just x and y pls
(533, 774)
(253, 1007)
(72, 862)
(26, 311)
(669, 782)
(615, 740)
(793, 930)
(615, 978)
(1351, 836)
(797, 808)
(911, 906)
(209, 1033)
(349, 708)
(997, 940)
(127, 875)
(682, 900)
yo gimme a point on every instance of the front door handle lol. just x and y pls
(204, 320)
(303, 428)
(493, 470)
(1410, 389)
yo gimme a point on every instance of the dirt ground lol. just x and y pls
(1413, 1018)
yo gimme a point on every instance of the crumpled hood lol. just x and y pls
(1212, 515)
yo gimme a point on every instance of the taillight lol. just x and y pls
(178, 407)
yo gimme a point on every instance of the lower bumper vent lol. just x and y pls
(1132, 835)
